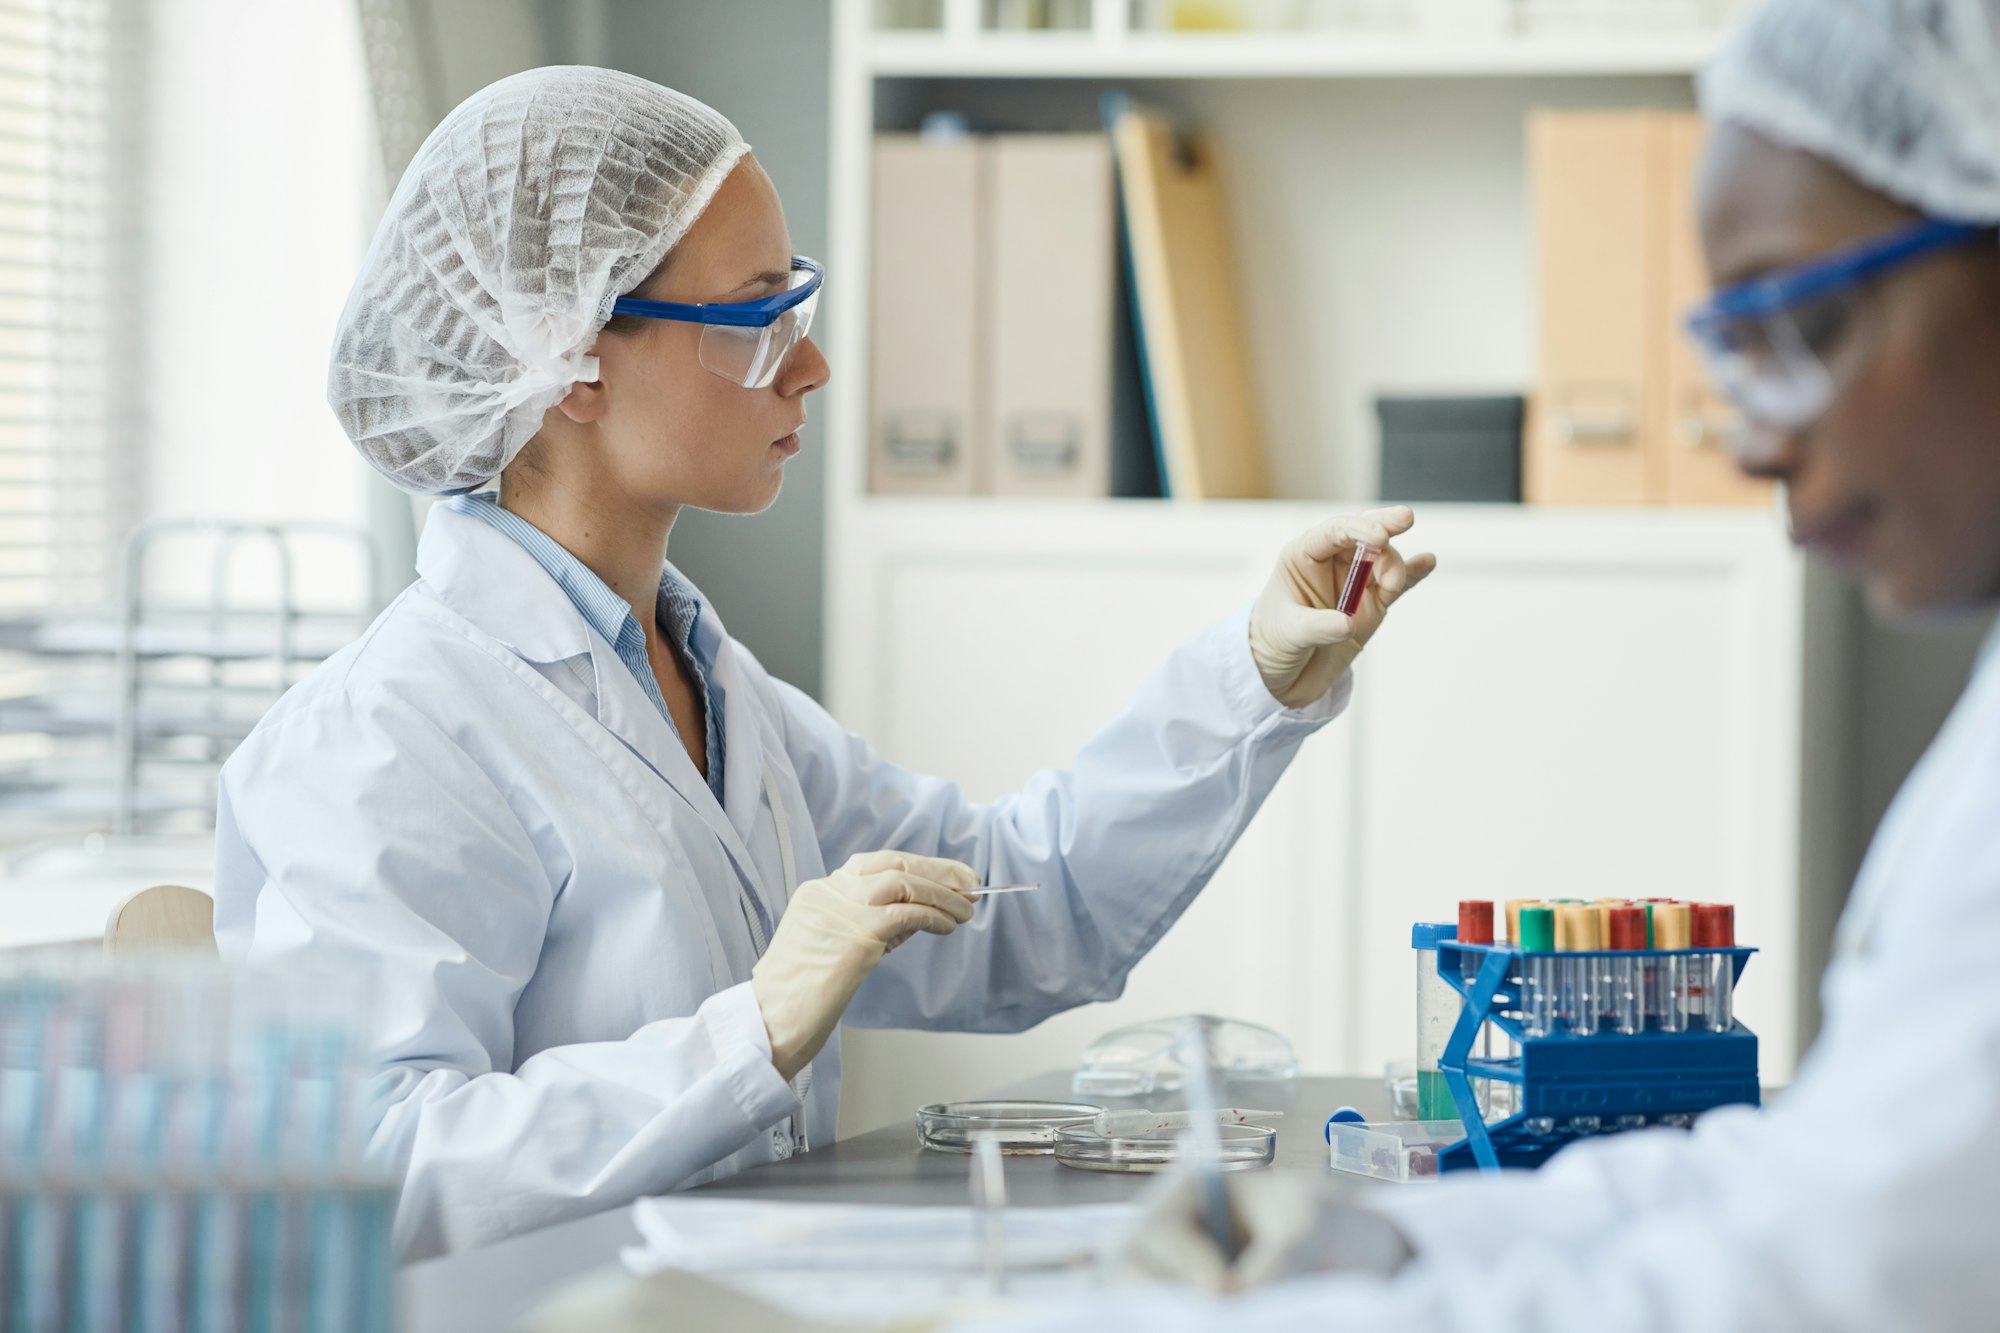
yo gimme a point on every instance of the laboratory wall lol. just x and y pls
(763, 65)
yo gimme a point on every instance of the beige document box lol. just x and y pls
(926, 412)
(1621, 413)
(1053, 245)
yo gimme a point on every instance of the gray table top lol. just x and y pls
(486, 1289)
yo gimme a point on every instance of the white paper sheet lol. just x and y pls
(860, 1261)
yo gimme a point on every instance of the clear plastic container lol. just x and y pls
(1083, 1147)
(1399, 1151)
(1399, 1077)
(1145, 1058)
(1022, 1127)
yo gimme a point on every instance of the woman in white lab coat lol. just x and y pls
(620, 884)
(1850, 208)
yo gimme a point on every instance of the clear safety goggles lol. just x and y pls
(745, 342)
(1778, 347)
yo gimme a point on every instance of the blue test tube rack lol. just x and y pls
(1562, 1076)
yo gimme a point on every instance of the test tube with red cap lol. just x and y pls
(1358, 570)
(1475, 926)
(1627, 975)
(1714, 927)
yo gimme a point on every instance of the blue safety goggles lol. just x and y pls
(745, 342)
(1771, 344)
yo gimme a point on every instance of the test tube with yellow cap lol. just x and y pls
(1670, 974)
(1582, 993)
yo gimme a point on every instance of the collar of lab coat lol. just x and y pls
(487, 577)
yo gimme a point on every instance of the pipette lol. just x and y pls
(1205, 1115)
(991, 889)
(989, 1200)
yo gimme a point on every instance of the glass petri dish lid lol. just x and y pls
(1022, 1126)
(1084, 1147)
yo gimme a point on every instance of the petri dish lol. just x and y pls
(1081, 1146)
(1022, 1126)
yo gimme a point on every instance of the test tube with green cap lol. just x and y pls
(1438, 1006)
(1538, 971)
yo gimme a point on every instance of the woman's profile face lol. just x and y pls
(672, 433)
(1899, 479)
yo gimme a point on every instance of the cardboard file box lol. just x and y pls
(927, 410)
(1050, 225)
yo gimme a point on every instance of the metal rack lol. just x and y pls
(119, 718)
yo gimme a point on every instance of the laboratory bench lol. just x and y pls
(488, 1289)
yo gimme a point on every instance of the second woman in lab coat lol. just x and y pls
(621, 884)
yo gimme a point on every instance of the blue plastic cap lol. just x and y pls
(1346, 1115)
(1430, 934)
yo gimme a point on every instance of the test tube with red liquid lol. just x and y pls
(1357, 577)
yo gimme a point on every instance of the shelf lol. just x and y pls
(933, 525)
(1282, 55)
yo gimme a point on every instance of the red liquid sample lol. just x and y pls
(1357, 581)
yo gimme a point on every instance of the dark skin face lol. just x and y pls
(1899, 479)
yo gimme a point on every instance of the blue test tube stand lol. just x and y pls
(1563, 1076)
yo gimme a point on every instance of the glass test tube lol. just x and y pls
(1438, 1006)
(1628, 982)
(1714, 927)
(1582, 995)
(1357, 577)
(1539, 998)
(1670, 973)
(1475, 926)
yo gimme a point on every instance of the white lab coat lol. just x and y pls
(479, 794)
(1862, 1200)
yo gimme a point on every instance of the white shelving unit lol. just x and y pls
(1143, 55)
(1582, 703)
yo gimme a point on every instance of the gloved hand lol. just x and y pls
(1298, 641)
(836, 929)
(1287, 1227)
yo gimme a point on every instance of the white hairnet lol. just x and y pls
(1904, 95)
(537, 203)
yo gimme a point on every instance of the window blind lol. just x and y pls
(70, 315)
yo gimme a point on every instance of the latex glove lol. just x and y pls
(836, 929)
(1298, 641)
(1287, 1227)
